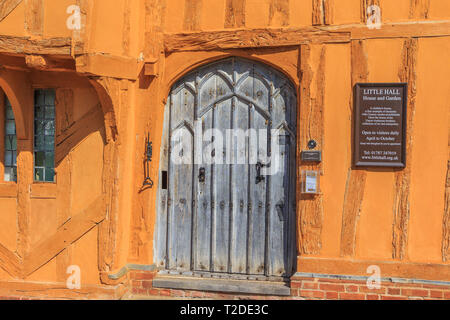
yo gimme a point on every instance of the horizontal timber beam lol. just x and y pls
(250, 38)
(54, 46)
(413, 29)
(389, 269)
(253, 38)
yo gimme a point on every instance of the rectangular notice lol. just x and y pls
(380, 124)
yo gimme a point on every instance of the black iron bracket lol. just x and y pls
(148, 182)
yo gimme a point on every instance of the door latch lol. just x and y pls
(259, 177)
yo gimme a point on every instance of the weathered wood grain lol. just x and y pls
(197, 41)
(7, 6)
(279, 11)
(10, 262)
(329, 11)
(66, 141)
(365, 4)
(36, 290)
(107, 229)
(317, 12)
(107, 90)
(56, 46)
(419, 9)
(311, 117)
(64, 108)
(396, 30)
(235, 13)
(109, 93)
(322, 13)
(126, 29)
(446, 220)
(356, 178)
(230, 223)
(401, 209)
(34, 17)
(24, 179)
(192, 14)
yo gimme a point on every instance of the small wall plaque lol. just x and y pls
(310, 182)
(380, 124)
(312, 156)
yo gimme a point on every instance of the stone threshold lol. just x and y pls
(222, 285)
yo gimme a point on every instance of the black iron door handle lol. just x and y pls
(259, 177)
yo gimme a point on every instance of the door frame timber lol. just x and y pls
(285, 60)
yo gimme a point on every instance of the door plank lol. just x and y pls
(221, 194)
(239, 189)
(161, 207)
(180, 177)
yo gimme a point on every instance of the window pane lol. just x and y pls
(49, 175)
(49, 143)
(10, 174)
(10, 127)
(44, 135)
(49, 97)
(49, 160)
(39, 128)
(39, 158)
(39, 98)
(49, 128)
(8, 158)
(10, 155)
(50, 112)
(9, 113)
(39, 174)
(39, 143)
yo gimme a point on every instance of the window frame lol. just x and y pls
(3, 97)
(33, 126)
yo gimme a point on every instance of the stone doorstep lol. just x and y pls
(222, 285)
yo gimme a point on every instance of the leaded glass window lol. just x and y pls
(44, 135)
(10, 163)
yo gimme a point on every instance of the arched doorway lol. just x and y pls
(226, 197)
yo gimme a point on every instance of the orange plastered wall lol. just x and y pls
(430, 151)
(428, 156)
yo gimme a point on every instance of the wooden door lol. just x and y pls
(216, 212)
